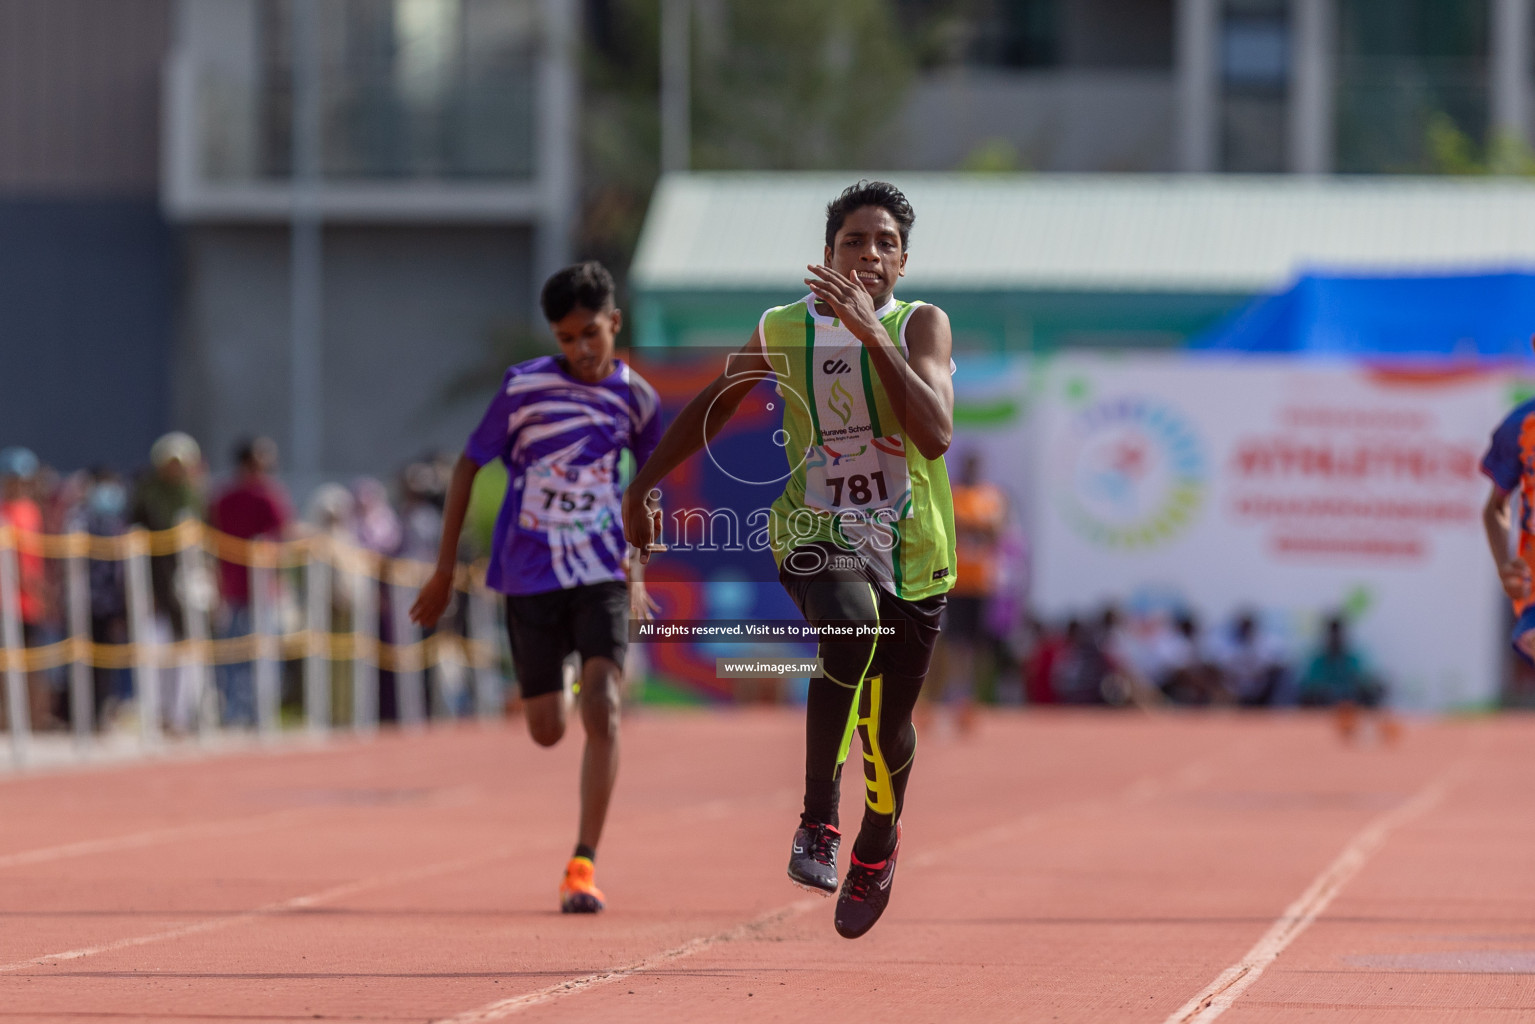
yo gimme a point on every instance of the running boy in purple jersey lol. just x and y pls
(558, 552)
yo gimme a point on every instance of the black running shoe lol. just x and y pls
(865, 894)
(813, 858)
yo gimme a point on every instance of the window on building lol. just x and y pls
(1255, 71)
(410, 88)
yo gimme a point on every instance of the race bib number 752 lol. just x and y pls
(569, 499)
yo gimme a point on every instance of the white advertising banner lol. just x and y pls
(1293, 489)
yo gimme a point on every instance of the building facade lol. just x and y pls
(1268, 86)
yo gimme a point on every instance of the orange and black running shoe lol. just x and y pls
(813, 858)
(865, 894)
(578, 892)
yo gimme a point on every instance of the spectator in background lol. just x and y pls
(19, 470)
(1182, 671)
(1251, 662)
(980, 513)
(421, 498)
(1337, 677)
(168, 494)
(1082, 666)
(253, 507)
(106, 515)
(377, 526)
(1040, 647)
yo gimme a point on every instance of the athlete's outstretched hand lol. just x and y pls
(1515, 576)
(433, 599)
(641, 605)
(847, 297)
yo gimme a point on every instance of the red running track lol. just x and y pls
(1057, 867)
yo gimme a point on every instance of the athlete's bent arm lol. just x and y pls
(434, 597)
(1512, 570)
(920, 391)
(697, 423)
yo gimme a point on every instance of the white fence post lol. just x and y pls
(365, 645)
(263, 628)
(141, 634)
(317, 628)
(197, 590)
(77, 598)
(488, 695)
(17, 710)
(409, 684)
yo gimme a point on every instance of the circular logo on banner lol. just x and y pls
(1131, 474)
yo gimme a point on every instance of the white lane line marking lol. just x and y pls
(1220, 994)
(1137, 792)
(313, 899)
(506, 1007)
(153, 837)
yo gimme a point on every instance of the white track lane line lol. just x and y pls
(506, 1007)
(1218, 997)
(153, 837)
(1137, 792)
(313, 899)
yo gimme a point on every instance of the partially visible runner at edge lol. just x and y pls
(559, 423)
(864, 529)
(1510, 464)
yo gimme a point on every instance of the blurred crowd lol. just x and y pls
(1164, 656)
(1154, 655)
(251, 504)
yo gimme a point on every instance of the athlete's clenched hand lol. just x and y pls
(848, 299)
(1515, 576)
(642, 522)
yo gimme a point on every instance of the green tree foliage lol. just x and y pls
(1452, 151)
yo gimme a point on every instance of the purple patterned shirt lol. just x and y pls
(560, 438)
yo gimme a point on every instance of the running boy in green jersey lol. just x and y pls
(864, 529)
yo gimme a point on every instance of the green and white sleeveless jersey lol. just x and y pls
(854, 480)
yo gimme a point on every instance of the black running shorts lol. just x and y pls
(828, 592)
(592, 620)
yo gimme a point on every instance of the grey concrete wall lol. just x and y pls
(80, 95)
(408, 312)
(86, 300)
(1056, 120)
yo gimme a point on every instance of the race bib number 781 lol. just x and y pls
(861, 481)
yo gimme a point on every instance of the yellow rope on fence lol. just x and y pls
(342, 647)
(297, 553)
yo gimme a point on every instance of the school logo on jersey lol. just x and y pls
(1132, 474)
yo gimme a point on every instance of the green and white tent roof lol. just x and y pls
(1092, 233)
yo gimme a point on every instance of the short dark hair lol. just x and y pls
(588, 285)
(870, 193)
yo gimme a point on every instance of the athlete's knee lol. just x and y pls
(546, 718)
(600, 703)
(600, 715)
(844, 662)
(899, 745)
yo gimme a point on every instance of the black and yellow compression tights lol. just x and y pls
(876, 696)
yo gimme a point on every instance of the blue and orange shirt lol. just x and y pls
(1510, 464)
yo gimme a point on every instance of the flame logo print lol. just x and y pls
(840, 402)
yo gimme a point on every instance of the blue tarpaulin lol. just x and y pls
(1488, 315)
